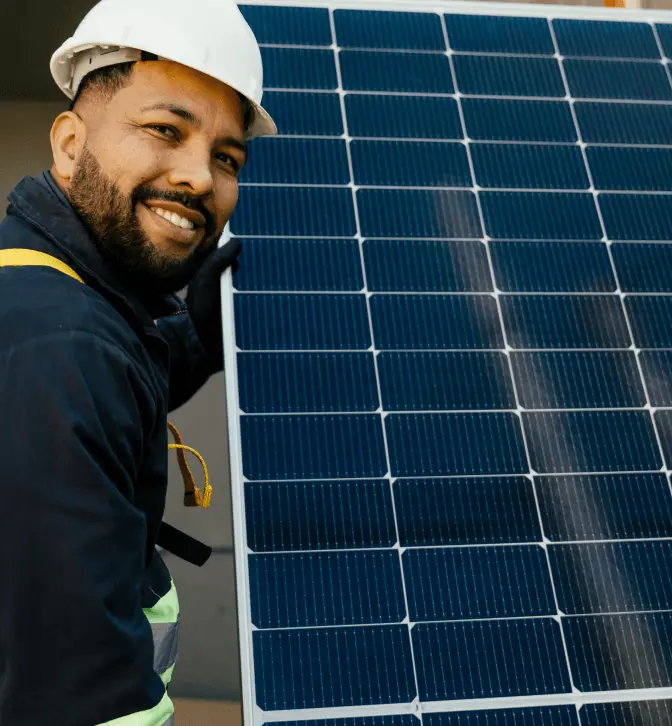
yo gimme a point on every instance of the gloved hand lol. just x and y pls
(204, 300)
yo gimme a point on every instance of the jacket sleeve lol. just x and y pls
(190, 365)
(75, 645)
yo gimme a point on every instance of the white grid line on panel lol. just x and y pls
(452, 51)
(371, 333)
(507, 618)
(510, 365)
(459, 411)
(451, 293)
(428, 477)
(475, 142)
(452, 350)
(474, 546)
(440, 188)
(485, 96)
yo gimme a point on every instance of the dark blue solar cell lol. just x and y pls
(418, 213)
(624, 123)
(426, 266)
(395, 72)
(637, 216)
(539, 716)
(540, 215)
(294, 212)
(591, 441)
(458, 583)
(656, 367)
(552, 267)
(404, 31)
(435, 322)
(564, 321)
(337, 588)
(578, 380)
(639, 80)
(410, 164)
(664, 426)
(297, 161)
(335, 382)
(319, 515)
(457, 443)
(619, 652)
(299, 68)
(508, 76)
(594, 38)
(651, 320)
(299, 265)
(630, 168)
(301, 322)
(493, 119)
(305, 114)
(445, 382)
(499, 34)
(409, 117)
(399, 720)
(620, 506)
(373, 666)
(605, 577)
(465, 511)
(288, 25)
(489, 659)
(642, 713)
(518, 166)
(664, 31)
(643, 267)
(308, 447)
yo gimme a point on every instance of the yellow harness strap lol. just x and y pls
(192, 494)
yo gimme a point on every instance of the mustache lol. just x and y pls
(189, 201)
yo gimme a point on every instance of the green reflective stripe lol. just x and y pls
(167, 609)
(160, 715)
(167, 675)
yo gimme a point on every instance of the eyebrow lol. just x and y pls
(187, 115)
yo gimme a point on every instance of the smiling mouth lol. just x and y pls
(173, 218)
(173, 226)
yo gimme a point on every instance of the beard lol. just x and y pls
(111, 219)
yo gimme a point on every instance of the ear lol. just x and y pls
(68, 136)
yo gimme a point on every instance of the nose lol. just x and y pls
(192, 168)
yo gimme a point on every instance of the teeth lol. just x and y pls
(174, 218)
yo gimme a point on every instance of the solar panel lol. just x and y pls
(448, 347)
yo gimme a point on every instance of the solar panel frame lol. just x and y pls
(251, 713)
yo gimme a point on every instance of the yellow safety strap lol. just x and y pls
(192, 494)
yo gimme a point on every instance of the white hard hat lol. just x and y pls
(211, 36)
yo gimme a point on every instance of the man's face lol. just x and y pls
(157, 178)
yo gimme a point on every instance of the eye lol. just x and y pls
(228, 159)
(164, 130)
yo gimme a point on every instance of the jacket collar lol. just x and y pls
(39, 204)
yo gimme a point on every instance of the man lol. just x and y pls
(96, 349)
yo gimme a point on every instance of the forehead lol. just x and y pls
(156, 83)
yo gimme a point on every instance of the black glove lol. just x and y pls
(204, 299)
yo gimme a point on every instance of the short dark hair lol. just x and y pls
(105, 82)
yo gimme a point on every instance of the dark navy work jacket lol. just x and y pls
(87, 379)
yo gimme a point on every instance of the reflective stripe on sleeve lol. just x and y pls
(160, 715)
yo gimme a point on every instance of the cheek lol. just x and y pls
(129, 163)
(226, 200)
